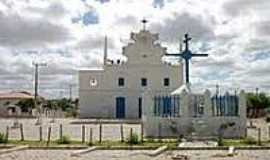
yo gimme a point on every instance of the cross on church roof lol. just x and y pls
(144, 21)
(186, 41)
(187, 55)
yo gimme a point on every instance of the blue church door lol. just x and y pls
(140, 107)
(120, 107)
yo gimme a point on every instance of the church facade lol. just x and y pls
(117, 89)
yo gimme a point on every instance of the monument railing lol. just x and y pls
(167, 106)
(225, 105)
(197, 105)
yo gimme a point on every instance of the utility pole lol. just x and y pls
(70, 91)
(257, 91)
(37, 65)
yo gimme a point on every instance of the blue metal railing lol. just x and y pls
(167, 106)
(225, 105)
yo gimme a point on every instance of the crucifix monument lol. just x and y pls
(187, 55)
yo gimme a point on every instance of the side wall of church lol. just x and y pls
(99, 100)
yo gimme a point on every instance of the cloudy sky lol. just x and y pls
(68, 35)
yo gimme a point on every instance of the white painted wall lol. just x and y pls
(160, 126)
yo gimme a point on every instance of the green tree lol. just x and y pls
(64, 104)
(26, 104)
(257, 104)
(50, 104)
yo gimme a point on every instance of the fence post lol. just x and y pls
(83, 133)
(259, 136)
(40, 133)
(159, 131)
(251, 123)
(142, 132)
(61, 131)
(130, 136)
(7, 134)
(269, 132)
(122, 133)
(100, 132)
(246, 131)
(21, 131)
(91, 137)
(49, 135)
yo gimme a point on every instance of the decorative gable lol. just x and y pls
(145, 49)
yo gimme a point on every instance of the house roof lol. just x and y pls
(16, 95)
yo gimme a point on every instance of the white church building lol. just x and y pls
(116, 90)
(149, 87)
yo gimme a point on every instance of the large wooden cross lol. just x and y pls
(187, 55)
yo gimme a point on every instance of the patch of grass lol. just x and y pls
(150, 140)
(153, 144)
(96, 143)
(250, 141)
(231, 142)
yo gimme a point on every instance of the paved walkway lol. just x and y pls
(134, 155)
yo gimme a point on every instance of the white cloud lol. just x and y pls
(234, 32)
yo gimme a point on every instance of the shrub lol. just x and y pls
(180, 138)
(220, 141)
(90, 143)
(3, 138)
(267, 119)
(64, 140)
(133, 139)
(250, 140)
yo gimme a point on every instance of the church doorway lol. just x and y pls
(120, 107)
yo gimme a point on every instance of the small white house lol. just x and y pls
(116, 90)
(9, 100)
